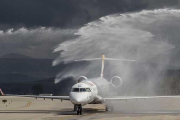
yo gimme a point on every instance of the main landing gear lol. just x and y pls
(78, 108)
(109, 107)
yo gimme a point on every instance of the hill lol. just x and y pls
(19, 68)
(16, 78)
(15, 56)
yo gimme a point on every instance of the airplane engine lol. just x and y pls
(80, 79)
(116, 81)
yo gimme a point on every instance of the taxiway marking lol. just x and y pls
(27, 105)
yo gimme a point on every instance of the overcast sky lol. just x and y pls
(35, 27)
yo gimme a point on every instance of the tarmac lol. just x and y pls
(18, 108)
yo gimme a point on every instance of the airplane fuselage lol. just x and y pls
(89, 91)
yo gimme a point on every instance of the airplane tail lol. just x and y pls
(103, 58)
(1, 92)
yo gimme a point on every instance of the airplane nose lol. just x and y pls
(78, 98)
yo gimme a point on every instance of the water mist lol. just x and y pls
(147, 36)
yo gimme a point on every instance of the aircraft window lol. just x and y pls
(85, 90)
(88, 90)
(75, 90)
(82, 89)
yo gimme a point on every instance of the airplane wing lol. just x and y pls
(45, 97)
(37, 96)
(136, 98)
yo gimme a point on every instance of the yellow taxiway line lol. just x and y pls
(27, 105)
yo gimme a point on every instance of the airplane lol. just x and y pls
(2, 94)
(92, 91)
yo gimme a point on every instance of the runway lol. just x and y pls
(18, 108)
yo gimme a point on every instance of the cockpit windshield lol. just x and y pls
(88, 90)
(75, 90)
(80, 90)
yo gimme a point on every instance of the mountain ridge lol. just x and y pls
(16, 56)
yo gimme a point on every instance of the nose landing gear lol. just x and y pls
(75, 107)
(79, 109)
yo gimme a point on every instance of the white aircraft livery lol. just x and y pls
(92, 91)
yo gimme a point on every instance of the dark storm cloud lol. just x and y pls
(37, 42)
(27, 16)
(67, 13)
